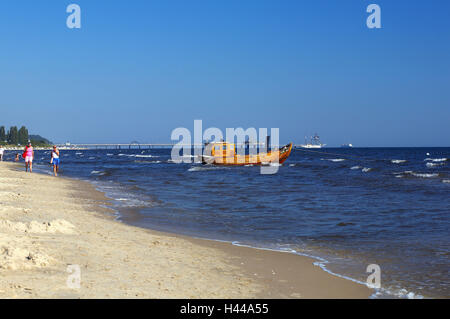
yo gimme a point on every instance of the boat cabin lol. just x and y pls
(223, 150)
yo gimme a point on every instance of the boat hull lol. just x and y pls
(311, 145)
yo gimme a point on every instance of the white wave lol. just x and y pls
(395, 292)
(153, 162)
(199, 168)
(109, 154)
(205, 168)
(78, 153)
(436, 159)
(335, 159)
(434, 164)
(355, 167)
(366, 169)
(97, 173)
(425, 175)
(291, 165)
(396, 161)
(422, 175)
(122, 197)
(146, 156)
(137, 155)
(446, 181)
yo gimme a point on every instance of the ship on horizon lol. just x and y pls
(314, 142)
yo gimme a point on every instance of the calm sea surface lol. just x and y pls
(350, 207)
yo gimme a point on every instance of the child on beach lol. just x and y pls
(28, 154)
(17, 157)
(55, 160)
(2, 150)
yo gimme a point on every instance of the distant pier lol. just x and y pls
(134, 145)
(114, 146)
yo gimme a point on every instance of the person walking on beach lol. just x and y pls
(28, 154)
(2, 151)
(55, 160)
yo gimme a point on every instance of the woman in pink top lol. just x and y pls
(28, 154)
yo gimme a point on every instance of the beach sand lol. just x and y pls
(48, 224)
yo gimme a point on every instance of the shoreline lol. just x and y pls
(148, 263)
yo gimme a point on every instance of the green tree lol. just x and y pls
(23, 135)
(13, 135)
(3, 136)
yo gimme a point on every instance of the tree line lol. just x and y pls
(14, 136)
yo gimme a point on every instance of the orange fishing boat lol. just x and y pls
(225, 154)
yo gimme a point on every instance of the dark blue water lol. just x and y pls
(352, 207)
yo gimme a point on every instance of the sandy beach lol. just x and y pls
(48, 224)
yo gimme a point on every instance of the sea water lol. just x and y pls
(347, 207)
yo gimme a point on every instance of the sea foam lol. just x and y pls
(433, 164)
(436, 159)
(336, 159)
(396, 161)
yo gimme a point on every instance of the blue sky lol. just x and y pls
(138, 69)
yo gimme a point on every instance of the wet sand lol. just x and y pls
(48, 224)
